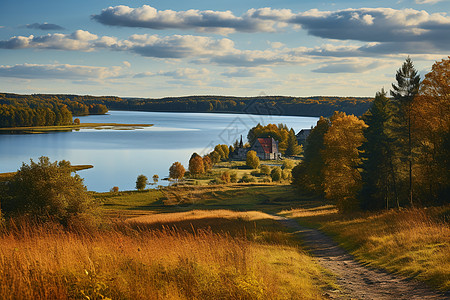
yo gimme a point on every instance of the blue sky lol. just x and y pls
(241, 48)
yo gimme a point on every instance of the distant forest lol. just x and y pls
(28, 110)
(45, 110)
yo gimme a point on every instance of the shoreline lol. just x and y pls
(98, 126)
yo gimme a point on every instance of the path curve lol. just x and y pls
(356, 280)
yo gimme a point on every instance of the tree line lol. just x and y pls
(396, 154)
(44, 110)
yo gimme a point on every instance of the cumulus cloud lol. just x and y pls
(79, 40)
(44, 26)
(57, 71)
(207, 20)
(376, 25)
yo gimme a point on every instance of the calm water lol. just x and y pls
(119, 156)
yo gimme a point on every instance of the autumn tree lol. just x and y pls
(252, 159)
(155, 178)
(196, 166)
(207, 163)
(176, 171)
(342, 180)
(379, 174)
(432, 126)
(276, 174)
(403, 94)
(141, 182)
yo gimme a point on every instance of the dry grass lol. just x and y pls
(135, 262)
(410, 242)
(201, 214)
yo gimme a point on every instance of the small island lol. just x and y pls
(98, 126)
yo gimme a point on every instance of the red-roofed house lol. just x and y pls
(266, 148)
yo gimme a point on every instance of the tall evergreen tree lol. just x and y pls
(292, 145)
(403, 93)
(379, 176)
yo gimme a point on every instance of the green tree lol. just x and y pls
(252, 159)
(403, 94)
(47, 190)
(309, 175)
(379, 176)
(176, 171)
(141, 182)
(292, 147)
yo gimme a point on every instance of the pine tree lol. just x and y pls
(403, 93)
(378, 173)
(292, 145)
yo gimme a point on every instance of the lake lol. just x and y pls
(119, 156)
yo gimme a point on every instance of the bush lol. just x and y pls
(247, 178)
(46, 190)
(265, 169)
(225, 177)
(114, 189)
(276, 174)
(255, 173)
(252, 159)
(286, 174)
(233, 177)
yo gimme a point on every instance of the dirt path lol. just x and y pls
(356, 280)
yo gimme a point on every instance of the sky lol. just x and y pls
(236, 47)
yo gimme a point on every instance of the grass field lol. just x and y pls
(222, 255)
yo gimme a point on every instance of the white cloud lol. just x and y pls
(428, 1)
(223, 22)
(57, 71)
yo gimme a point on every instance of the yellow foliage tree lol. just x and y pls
(341, 157)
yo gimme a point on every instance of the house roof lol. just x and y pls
(266, 144)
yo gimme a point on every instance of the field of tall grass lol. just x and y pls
(181, 258)
(410, 242)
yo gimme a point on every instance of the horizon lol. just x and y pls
(159, 49)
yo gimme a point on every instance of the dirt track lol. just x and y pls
(357, 281)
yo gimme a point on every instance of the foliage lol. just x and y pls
(252, 160)
(288, 164)
(226, 177)
(76, 121)
(265, 169)
(309, 175)
(155, 178)
(141, 182)
(46, 190)
(276, 174)
(342, 179)
(432, 127)
(207, 163)
(196, 165)
(247, 179)
(114, 189)
(278, 132)
(176, 171)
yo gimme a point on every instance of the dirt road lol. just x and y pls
(357, 281)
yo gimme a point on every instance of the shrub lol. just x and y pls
(247, 178)
(225, 177)
(255, 173)
(233, 177)
(286, 174)
(265, 169)
(114, 189)
(276, 174)
(47, 190)
(252, 159)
